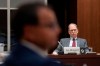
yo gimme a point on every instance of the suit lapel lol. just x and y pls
(78, 43)
(68, 42)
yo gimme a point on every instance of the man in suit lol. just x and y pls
(73, 41)
(36, 29)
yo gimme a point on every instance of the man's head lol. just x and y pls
(37, 23)
(73, 30)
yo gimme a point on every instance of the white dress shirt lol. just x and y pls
(34, 48)
(71, 42)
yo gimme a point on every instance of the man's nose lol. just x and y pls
(73, 31)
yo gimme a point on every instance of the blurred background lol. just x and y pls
(85, 13)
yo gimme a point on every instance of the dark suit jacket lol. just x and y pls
(22, 56)
(66, 41)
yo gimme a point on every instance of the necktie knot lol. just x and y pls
(73, 39)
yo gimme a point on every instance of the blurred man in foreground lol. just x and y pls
(36, 28)
(73, 41)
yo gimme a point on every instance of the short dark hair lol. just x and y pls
(25, 15)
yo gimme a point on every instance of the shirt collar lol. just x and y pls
(72, 38)
(34, 48)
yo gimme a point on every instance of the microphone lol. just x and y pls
(60, 44)
(61, 52)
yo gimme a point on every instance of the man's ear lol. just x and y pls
(68, 32)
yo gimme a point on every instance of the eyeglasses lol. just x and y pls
(73, 30)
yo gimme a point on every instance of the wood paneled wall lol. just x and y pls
(88, 20)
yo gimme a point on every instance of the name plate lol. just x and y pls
(71, 50)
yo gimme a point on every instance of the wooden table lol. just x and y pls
(78, 60)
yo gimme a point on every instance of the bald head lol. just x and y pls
(73, 30)
(72, 25)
